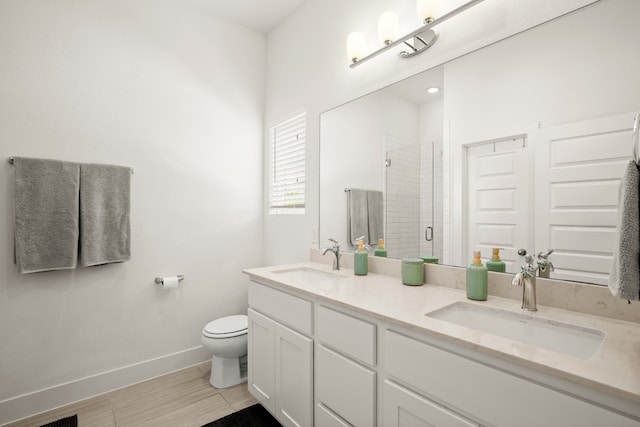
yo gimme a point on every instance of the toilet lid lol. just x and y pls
(227, 327)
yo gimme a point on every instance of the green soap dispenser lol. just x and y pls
(380, 250)
(495, 263)
(477, 279)
(361, 260)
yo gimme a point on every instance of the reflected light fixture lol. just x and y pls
(417, 41)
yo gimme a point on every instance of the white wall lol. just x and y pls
(178, 95)
(307, 68)
(573, 70)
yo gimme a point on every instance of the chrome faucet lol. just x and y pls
(335, 249)
(527, 279)
(545, 267)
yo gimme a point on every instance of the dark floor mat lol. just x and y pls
(253, 416)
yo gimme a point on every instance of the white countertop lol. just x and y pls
(613, 369)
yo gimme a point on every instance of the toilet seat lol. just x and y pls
(227, 327)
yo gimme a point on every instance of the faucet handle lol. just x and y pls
(545, 255)
(528, 268)
(528, 259)
(335, 242)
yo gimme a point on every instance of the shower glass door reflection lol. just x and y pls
(413, 199)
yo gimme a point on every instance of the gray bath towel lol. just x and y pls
(358, 220)
(375, 207)
(624, 281)
(104, 214)
(46, 214)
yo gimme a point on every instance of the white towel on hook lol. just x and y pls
(624, 281)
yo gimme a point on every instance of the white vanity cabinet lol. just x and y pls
(316, 362)
(280, 358)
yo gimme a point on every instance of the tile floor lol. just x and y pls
(180, 399)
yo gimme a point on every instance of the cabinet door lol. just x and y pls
(403, 408)
(294, 377)
(260, 359)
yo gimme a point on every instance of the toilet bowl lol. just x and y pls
(226, 339)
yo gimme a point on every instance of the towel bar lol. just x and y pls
(10, 160)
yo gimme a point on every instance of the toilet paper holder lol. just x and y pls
(160, 280)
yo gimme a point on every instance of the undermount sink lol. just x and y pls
(309, 275)
(566, 338)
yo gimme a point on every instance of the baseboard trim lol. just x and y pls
(27, 405)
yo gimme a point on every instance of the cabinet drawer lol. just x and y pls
(324, 418)
(488, 393)
(403, 408)
(346, 388)
(289, 310)
(352, 336)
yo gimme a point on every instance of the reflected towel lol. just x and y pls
(375, 208)
(46, 214)
(624, 281)
(358, 221)
(104, 214)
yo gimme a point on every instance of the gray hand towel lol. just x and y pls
(624, 281)
(46, 214)
(358, 221)
(375, 208)
(104, 214)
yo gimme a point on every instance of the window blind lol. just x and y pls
(287, 174)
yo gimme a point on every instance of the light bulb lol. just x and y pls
(355, 46)
(387, 27)
(427, 10)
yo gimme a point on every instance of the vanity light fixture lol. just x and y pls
(387, 27)
(417, 41)
(355, 46)
(427, 10)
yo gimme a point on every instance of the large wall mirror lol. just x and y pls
(523, 147)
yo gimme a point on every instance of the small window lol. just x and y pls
(287, 171)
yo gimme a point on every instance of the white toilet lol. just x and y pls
(226, 339)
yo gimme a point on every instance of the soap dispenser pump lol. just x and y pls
(495, 263)
(477, 279)
(380, 250)
(361, 260)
